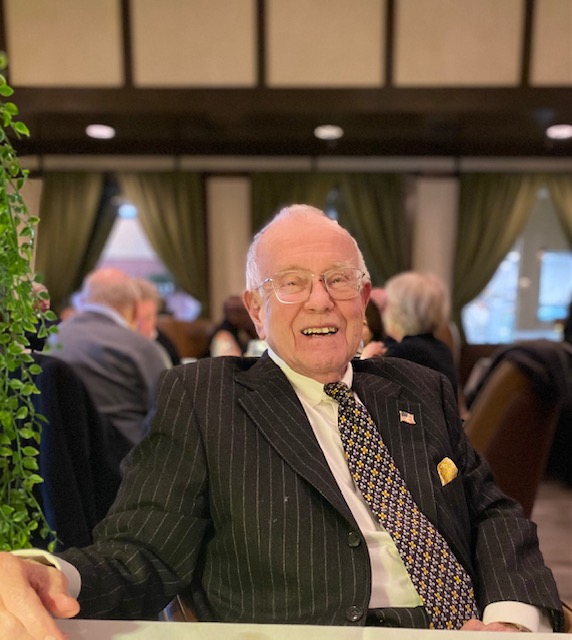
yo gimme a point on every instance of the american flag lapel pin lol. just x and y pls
(405, 416)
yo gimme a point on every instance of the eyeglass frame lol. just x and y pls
(321, 278)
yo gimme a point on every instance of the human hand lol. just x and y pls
(477, 625)
(373, 348)
(30, 594)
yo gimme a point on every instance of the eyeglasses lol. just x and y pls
(291, 287)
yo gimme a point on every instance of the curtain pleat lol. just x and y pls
(560, 189)
(272, 191)
(68, 221)
(493, 210)
(171, 210)
(372, 208)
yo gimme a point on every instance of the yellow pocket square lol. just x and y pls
(447, 470)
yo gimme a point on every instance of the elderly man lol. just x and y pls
(249, 491)
(119, 367)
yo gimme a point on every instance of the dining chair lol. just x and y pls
(512, 425)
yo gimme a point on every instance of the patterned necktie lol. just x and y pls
(442, 583)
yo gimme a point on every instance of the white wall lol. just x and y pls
(435, 225)
(228, 206)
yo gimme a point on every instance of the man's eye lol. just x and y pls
(337, 278)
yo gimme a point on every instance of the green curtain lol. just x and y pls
(560, 188)
(493, 210)
(272, 191)
(372, 207)
(68, 226)
(171, 209)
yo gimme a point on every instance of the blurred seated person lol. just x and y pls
(119, 366)
(146, 312)
(233, 335)
(417, 306)
(373, 333)
(71, 307)
(37, 338)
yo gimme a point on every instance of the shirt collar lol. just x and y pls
(308, 388)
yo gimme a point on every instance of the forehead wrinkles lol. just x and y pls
(288, 246)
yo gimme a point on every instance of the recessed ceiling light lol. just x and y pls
(101, 131)
(328, 132)
(559, 131)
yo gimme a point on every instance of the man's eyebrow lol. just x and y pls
(334, 265)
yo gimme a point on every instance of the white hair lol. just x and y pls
(303, 212)
(416, 303)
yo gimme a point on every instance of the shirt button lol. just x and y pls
(354, 613)
(354, 539)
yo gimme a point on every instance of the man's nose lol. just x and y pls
(319, 295)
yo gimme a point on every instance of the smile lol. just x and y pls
(319, 331)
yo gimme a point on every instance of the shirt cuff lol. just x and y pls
(44, 557)
(534, 619)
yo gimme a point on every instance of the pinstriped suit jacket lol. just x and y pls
(230, 494)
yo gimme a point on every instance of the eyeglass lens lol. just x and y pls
(295, 286)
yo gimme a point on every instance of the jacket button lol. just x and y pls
(354, 539)
(354, 613)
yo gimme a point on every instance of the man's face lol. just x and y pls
(316, 338)
(146, 317)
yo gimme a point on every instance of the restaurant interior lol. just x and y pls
(163, 135)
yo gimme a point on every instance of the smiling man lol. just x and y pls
(268, 492)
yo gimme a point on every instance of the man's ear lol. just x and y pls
(253, 304)
(365, 293)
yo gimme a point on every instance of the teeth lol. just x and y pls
(319, 331)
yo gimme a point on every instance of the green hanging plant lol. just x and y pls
(21, 517)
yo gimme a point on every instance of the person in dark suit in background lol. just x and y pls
(242, 495)
(119, 367)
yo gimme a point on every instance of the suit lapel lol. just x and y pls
(406, 442)
(274, 408)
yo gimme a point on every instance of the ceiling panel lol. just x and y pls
(552, 44)
(454, 78)
(199, 43)
(325, 43)
(458, 42)
(64, 43)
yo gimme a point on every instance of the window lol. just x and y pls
(128, 249)
(555, 285)
(531, 289)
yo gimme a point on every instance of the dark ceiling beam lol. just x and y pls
(527, 42)
(390, 17)
(126, 42)
(261, 43)
(291, 101)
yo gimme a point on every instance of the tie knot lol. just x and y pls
(338, 391)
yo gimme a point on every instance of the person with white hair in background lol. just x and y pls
(417, 308)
